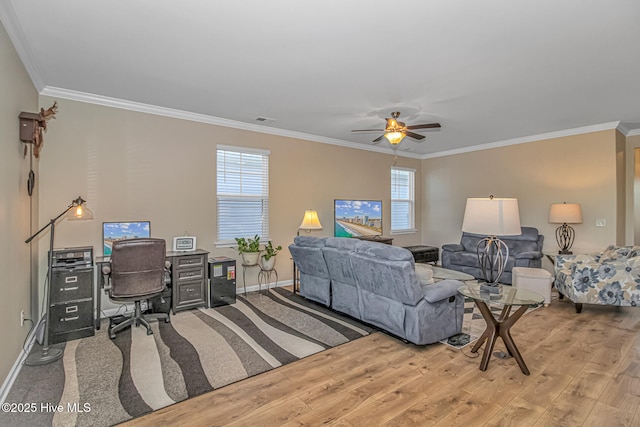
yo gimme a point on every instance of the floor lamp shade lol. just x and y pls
(492, 217)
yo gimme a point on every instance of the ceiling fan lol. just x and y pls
(395, 131)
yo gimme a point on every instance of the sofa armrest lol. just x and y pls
(441, 290)
(453, 247)
(529, 255)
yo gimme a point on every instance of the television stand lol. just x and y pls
(379, 239)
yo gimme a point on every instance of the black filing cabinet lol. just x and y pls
(72, 295)
(222, 275)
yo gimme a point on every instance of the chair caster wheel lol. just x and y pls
(149, 332)
(167, 320)
(112, 335)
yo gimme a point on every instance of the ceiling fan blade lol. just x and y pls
(368, 130)
(414, 135)
(425, 126)
(378, 139)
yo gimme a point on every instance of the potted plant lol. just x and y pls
(268, 258)
(249, 249)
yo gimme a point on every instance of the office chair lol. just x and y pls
(136, 273)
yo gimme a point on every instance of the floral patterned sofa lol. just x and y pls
(611, 277)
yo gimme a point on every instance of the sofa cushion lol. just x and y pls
(424, 274)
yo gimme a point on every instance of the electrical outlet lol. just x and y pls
(21, 317)
(601, 222)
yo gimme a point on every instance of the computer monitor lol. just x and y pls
(112, 231)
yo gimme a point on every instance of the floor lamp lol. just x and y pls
(76, 211)
(492, 217)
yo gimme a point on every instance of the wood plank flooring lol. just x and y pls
(585, 371)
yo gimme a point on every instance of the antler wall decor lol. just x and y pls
(34, 125)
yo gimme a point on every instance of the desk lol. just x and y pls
(189, 275)
(499, 327)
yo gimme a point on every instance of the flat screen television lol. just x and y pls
(357, 218)
(112, 231)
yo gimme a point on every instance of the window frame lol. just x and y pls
(222, 197)
(411, 201)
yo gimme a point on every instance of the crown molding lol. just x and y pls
(13, 28)
(203, 118)
(525, 139)
(634, 132)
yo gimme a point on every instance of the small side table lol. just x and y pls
(424, 253)
(499, 327)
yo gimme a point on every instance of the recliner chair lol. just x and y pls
(136, 273)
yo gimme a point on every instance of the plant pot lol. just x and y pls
(250, 258)
(267, 264)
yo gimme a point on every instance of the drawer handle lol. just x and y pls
(69, 319)
(70, 288)
(71, 279)
(71, 309)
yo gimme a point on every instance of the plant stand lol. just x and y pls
(265, 277)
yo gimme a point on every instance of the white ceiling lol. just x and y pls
(491, 72)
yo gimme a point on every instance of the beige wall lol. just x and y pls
(631, 143)
(576, 169)
(18, 94)
(136, 166)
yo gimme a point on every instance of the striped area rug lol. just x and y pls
(101, 382)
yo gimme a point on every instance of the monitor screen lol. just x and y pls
(356, 218)
(112, 231)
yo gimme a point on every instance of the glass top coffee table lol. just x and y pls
(444, 273)
(500, 326)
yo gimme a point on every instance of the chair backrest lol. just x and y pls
(137, 267)
(529, 240)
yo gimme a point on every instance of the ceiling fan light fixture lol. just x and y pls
(394, 138)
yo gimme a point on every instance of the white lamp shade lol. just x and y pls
(492, 217)
(565, 213)
(310, 221)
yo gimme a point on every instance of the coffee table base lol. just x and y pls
(499, 328)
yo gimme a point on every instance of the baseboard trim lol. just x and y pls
(17, 365)
(239, 291)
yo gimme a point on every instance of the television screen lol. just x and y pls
(112, 231)
(356, 218)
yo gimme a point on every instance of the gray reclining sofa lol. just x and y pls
(376, 283)
(525, 250)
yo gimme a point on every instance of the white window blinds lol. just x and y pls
(242, 194)
(402, 200)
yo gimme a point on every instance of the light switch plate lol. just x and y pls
(601, 222)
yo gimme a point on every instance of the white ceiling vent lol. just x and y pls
(265, 120)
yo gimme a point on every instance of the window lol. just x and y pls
(402, 200)
(242, 194)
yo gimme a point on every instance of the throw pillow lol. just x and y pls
(424, 274)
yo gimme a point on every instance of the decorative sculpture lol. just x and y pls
(34, 125)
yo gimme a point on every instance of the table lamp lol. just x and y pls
(310, 221)
(565, 214)
(492, 217)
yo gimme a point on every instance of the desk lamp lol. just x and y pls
(310, 221)
(492, 217)
(565, 214)
(75, 211)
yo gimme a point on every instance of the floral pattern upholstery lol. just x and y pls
(611, 277)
